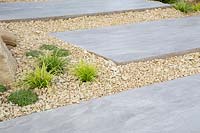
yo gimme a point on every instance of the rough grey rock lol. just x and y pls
(8, 38)
(8, 64)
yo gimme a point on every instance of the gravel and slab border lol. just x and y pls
(172, 106)
(138, 42)
(111, 78)
(72, 8)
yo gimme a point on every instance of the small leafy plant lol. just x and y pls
(196, 7)
(61, 52)
(183, 6)
(34, 53)
(2, 88)
(58, 51)
(54, 64)
(85, 72)
(23, 97)
(49, 47)
(39, 78)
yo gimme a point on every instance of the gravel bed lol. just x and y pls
(111, 79)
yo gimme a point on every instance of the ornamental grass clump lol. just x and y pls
(196, 7)
(183, 6)
(39, 78)
(2, 88)
(85, 72)
(54, 64)
(23, 97)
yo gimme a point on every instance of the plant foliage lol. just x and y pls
(183, 6)
(85, 72)
(23, 97)
(54, 64)
(2, 88)
(34, 53)
(39, 78)
(61, 52)
(49, 47)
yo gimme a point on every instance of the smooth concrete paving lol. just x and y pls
(135, 42)
(169, 107)
(71, 8)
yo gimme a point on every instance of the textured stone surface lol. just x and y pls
(8, 38)
(171, 106)
(133, 42)
(70, 8)
(7, 64)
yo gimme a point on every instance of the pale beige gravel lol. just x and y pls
(111, 78)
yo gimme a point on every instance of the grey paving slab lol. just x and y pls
(169, 107)
(70, 8)
(135, 42)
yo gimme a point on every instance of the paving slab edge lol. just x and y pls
(164, 56)
(95, 99)
(81, 15)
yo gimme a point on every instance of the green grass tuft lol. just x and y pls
(85, 72)
(54, 64)
(2, 88)
(183, 7)
(23, 97)
(39, 78)
(196, 7)
(34, 53)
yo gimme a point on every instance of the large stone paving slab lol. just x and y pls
(169, 107)
(71, 8)
(141, 41)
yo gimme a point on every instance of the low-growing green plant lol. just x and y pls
(196, 7)
(85, 72)
(39, 78)
(34, 53)
(54, 64)
(2, 88)
(49, 47)
(23, 97)
(58, 51)
(183, 6)
(61, 52)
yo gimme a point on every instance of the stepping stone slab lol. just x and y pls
(71, 8)
(136, 42)
(169, 107)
